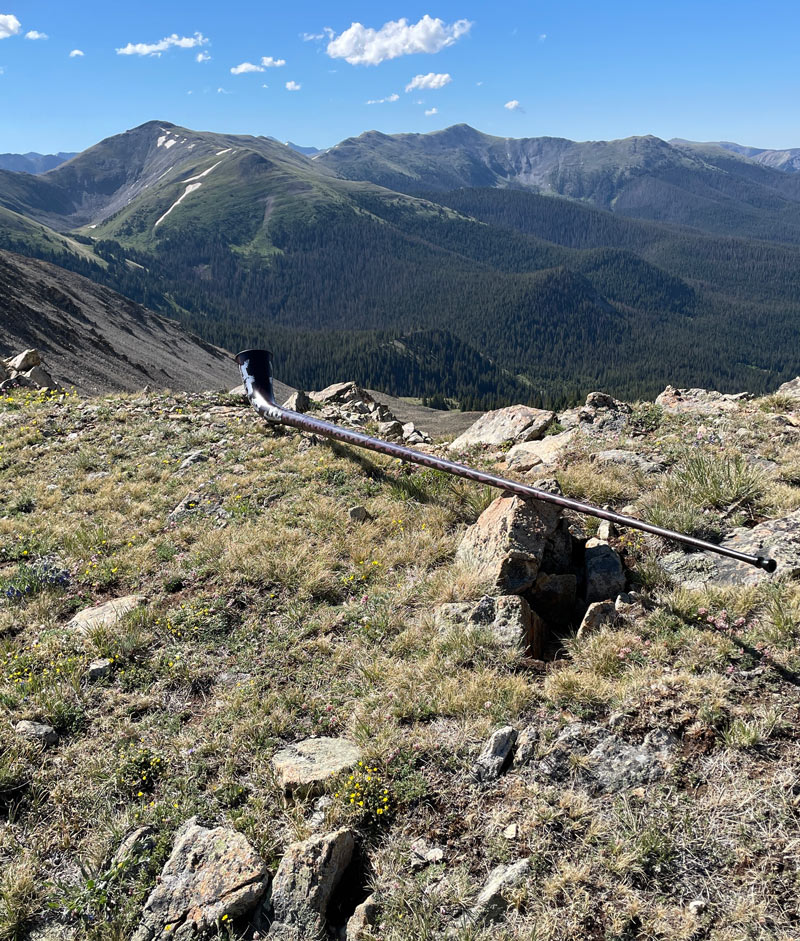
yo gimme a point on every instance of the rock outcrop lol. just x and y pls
(308, 764)
(516, 423)
(26, 370)
(213, 875)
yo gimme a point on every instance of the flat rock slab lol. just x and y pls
(45, 735)
(307, 764)
(211, 874)
(106, 614)
(630, 459)
(776, 539)
(602, 762)
(508, 542)
(493, 899)
(516, 423)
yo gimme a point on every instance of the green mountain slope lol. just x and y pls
(516, 295)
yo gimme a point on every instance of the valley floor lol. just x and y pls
(266, 615)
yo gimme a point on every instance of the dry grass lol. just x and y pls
(271, 616)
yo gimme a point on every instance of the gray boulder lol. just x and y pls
(605, 576)
(627, 459)
(508, 542)
(699, 401)
(495, 754)
(527, 741)
(22, 362)
(549, 451)
(598, 615)
(104, 615)
(298, 402)
(790, 389)
(212, 874)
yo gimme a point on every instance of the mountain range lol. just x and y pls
(455, 263)
(33, 162)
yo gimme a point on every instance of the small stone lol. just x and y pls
(390, 430)
(605, 530)
(321, 807)
(134, 847)
(307, 877)
(605, 576)
(45, 735)
(526, 746)
(627, 459)
(358, 514)
(211, 875)
(98, 669)
(493, 900)
(495, 755)
(510, 832)
(697, 907)
(307, 764)
(598, 615)
(194, 458)
(363, 918)
(104, 615)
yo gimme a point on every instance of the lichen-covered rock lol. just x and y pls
(509, 618)
(495, 754)
(778, 539)
(606, 762)
(104, 615)
(298, 402)
(212, 874)
(341, 393)
(22, 362)
(605, 576)
(790, 389)
(363, 918)
(526, 746)
(306, 765)
(515, 423)
(98, 669)
(307, 877)
(508, 542)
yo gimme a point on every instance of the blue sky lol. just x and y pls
(584, 70)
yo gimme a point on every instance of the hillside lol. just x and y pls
(96, 340)
(485, 295)
(638, 781)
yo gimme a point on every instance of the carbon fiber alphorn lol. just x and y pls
(256, 369)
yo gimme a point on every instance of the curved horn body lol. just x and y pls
(256, 369)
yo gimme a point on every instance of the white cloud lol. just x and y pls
(221, 91)
(246, 67)
(312, 37)
(202, 57)
(2, 70)
(35, 34)
(542, 37)
(431, 80)
(76, 53)
(264, 86)
(381, 101)
(269, 63)
(431, 111)
(293, 86)
(156, 48)
(513, 105)
(9, 25)
(359, 45)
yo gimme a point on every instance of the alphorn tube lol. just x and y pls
(256, 369)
